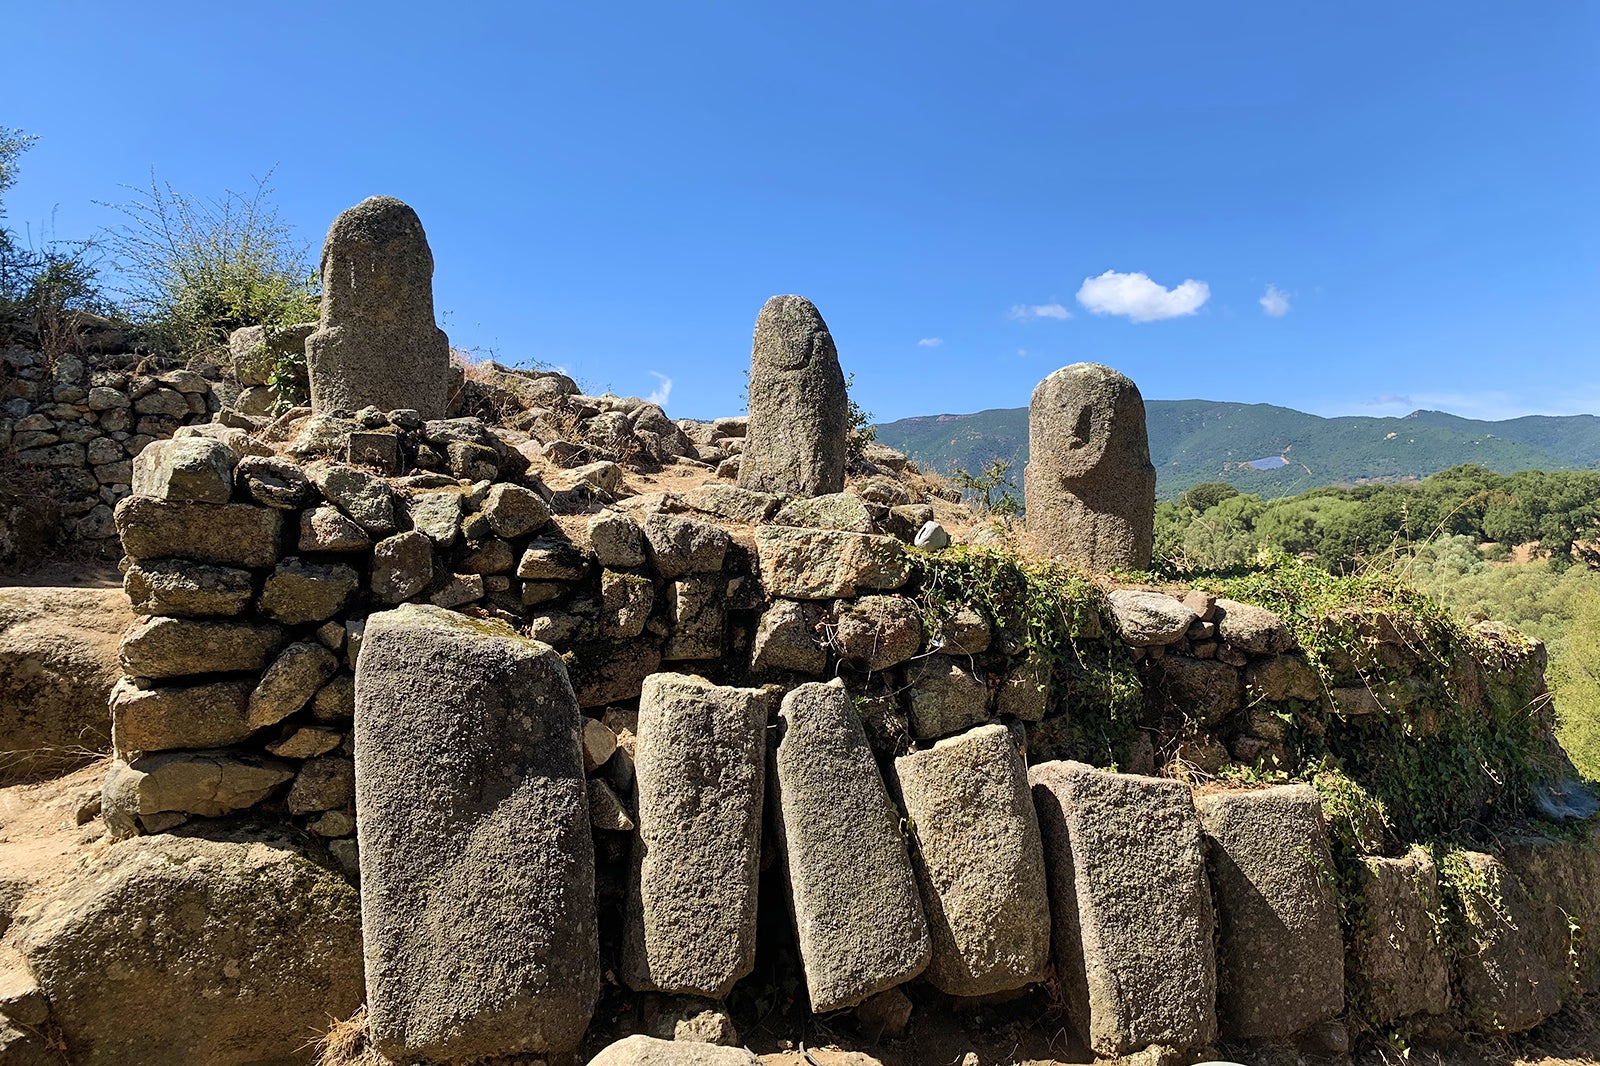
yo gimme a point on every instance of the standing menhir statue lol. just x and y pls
(1089, 486)
(377, 344)
(799, 414)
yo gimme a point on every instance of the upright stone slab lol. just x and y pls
(700, 766)
(1130, 907)
(376, 344)
(477, 865)
(1511, 975)
(979, 862)
(854, 897)
(1089, 483)
(799, 413)
(1280, 955)
(1395, 943)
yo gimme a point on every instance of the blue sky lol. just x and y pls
(616, 189)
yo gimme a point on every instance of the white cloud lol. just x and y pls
(1023, 311)
(1139, 299)
(930, 342)
(1275, 302)
(663, 390)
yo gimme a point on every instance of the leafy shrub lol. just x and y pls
(196, 270)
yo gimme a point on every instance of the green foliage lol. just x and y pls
(862, 431)
(980, 489)
(289, 380)
(199, 269)
(1051, 615)
(13, 143)
(42, 289)
(1461, 736)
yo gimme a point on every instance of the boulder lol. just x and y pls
(437, 515)
(168, 951)
(799, 411)
(853, 895)
(979, 862)
(258, 350)
(679, 545)
(158, 647)
(1283, 677)
(640, 1050)
(732, 504)
(365, 498)
(836, 510)
(478, 905)
(513, 511)
(822, 564)
(1562, 877)
(161, 717)
(877, 632)
(945, 697)
(1130, 907)
(611, 671)
(787, 639)
(185, 470)
(1396, 948)
(1280, 954)
(1251, 629)
(297, 591)
(1510, 975)
(58, 663)
(700, 772)
(274, 482)
(290, 682)
(235, 534)
(402, 566)
(1207, 689)
(695, 612)
(1147, 619)
(326, 529)
(616, 540)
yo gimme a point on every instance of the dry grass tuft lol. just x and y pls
(345, 1044)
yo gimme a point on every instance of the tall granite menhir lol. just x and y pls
(477, 865)
(377, 344)
(1089, 485)
(799, 413)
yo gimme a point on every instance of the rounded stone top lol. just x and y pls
(789, 331)
(1081, 413)
(387, 226)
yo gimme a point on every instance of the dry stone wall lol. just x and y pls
(70, 429)
(690, 631)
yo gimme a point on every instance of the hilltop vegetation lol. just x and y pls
(1197, 441)
(1515, 548)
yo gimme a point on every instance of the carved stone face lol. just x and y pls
(1074, 413)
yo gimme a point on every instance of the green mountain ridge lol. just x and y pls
(1195, 441)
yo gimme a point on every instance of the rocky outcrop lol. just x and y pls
(168, 950)
(58, 664)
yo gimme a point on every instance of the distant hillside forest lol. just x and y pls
(1270, 451)
(1521, 548)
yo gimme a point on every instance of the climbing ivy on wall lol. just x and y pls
(1052, 615)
